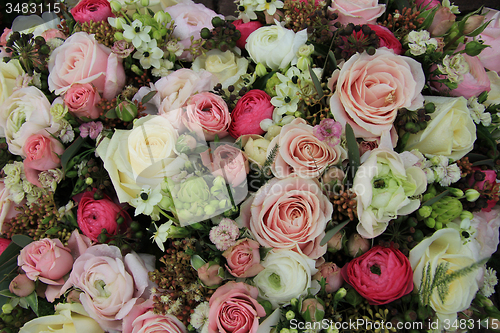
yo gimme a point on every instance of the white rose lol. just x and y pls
(25, 112)
(383, 186)
(494, 93)
(451, 131)
(286, 275)
(445, 246)
(8, 75)
(275, 46)
(225, 65)
(142, 156)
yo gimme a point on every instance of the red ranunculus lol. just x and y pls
(387, 38)
(250, 110)
(94, 215)
(245, 29)
(381, 275)
(92, 10)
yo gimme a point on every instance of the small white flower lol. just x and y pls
(490, 281)
(451, 174)
(247, 10)
(420, 41)
(477, 112)
(162, 233)
(270, 6)
(165, 68)
(149, 55)
(453, 8)
(146, 200)
(286, 100)
(136, 33)
(199, 318)
(454, 67)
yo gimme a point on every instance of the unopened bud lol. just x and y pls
(472, 195)
(472, 23)
(312, 310)
(456, 191)
(260, 69)
(210, 274)
(126, 111)
(303, 63)
(162, 17)
(22, 286)
(144, 3)
(290, 315)
(357, 245)
(116, 6)
(425, 211)
(7, 308)
(185, 143)
(335, 243)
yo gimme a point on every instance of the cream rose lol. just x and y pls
(445, 246)
(24, 112)
(8, 75)
(357, 11)
(275, 46)
(142, 156)
(228, 67)
(371, 89)
(69, 317)
(494, 93)
(451, 131)
(286, 275)
(384, 187)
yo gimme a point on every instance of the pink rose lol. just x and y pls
(82, 100)
(208, 112)
(189, 19)
(249, 111)
(142, 319)
(487, 225)
(234, 308)
(491, 36)
(243, 258)
(442, 22)
(110, 283)
(210, 274)
(228, 162)
(290, 213)
(429, 3)
(42, 154)
(92, 10)
(94, 215)
(245, 29)
(3, 38)
(331, 273)
(474, 82)
(357, 11)
(53, 33)
(371, 90)
(81, 59)
(387, 38)
(301, 152)
(47, 260)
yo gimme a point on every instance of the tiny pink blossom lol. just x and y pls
(225, 234)
(328, 131)
(91, 129)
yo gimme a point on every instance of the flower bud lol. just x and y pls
(7, 308)
(442, 22)
(333, 174)
(73, 296)
(312, 310)
(162, 17)
(22, 286)
(331, 273)
(472, 195)
(456, 191)
(303, 63)
(126, 111)
(305, 50)
(340, 294)
(119, 36)
(290, 315)
(116, 6)
(335, 243)
(425, 211)
(260, 69)
(211, 274)
(357, 245)
(135, 68)
(465, 214)
(185, 143)
(144, 3)
(472, 23)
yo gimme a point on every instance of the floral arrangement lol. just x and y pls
(305, 166)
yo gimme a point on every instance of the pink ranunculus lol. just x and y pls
(387, 38)
(442, 22)
(78, 244)
(371, 90)
(302, 153)
(331, 273)
(209, 274)
(189, 19)
(53, 33)
(82, 100)
(245, 29)
(487, 224)
(357, 11)
(142, 319)
(94, 215)
(249, 111)
(381, 275)
(47, 260)
(92, 10)
(429, 3)
(491, 36)
(490, 176)
(229, 162)
(234, 308)
(110, 283)
(243, 258)
(42, 154)
(81, 59)
(290, 213)
(208, 112)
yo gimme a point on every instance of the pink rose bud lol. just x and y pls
(210, 274)
(126, 111)
(332, 275)
(357, 245)
(335, 243)
(243, 258)
(21, 286)
(333, 174)
(312, 310)
(82, 100)
(185, 143)
(443, 20)
(472, 23)
(73, 296)
(53, 33)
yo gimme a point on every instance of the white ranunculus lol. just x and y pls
(286, 275)
(494, 93)
(445, 246)
(35, 24)
(275, 46)
(451, 131)
(8, 75)
(384, 187)
(142, 156)
(228, 67)
(25, 112)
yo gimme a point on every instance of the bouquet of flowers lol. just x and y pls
(303, 166)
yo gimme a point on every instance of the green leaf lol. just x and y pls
(436, 198)
(10, 252)
(32, 300)
(330, 233)
(70, 152)
(7, 293)
(316, 82)
(352, 149)
(52, 231)
(484, 134)
(331, 56)
(111, 114)
(261, 82)
(428, 20)
(22, 240)
(489, 162)
(148, 97)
